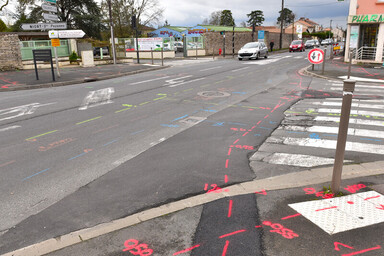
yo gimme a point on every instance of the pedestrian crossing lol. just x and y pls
(307, 137)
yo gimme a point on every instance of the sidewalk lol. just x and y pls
(255, 207)
(26, 79)
(337, 69)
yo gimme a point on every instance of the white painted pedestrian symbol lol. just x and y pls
(97, 98)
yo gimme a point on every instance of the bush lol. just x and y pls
(73, 57)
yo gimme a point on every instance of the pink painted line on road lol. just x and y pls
(225, 248)
(229, 151)
(230, 208)
(363, 251)
(187, 250)
(236, 141)
(226, 163)
(291, 216)
(372, 197)
(245, 134)
(8, 163)
(226, 178)
(233, 233)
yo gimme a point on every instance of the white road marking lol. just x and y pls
(338, 104)
(328, 144)
(359, 90)
(363, 79)
(335, 130)
(298, 160)
(363, 86)
(264, 61)
(353, 112)
(174, 85)
(9, 128)
(239, 69)
(176, 80)
(151, 80)
(351, 121)
(97, 98)
(211, 68)
(357, 100)
(21, 110)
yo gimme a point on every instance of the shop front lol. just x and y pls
(365, 35)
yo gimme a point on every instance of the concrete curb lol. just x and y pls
(79, 81)
(306, 72)
(308, 177)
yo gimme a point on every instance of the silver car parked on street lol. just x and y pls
(253, 50)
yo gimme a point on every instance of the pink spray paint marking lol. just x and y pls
(354, 188)
(225, 248)
(133, 246)
(363, 251)
(280, 229)
(373, 197)
(262, 192)
(230, 208)
(291, 216)
(229, 151)
(186, 250)
(344, 245)
(328, 208)
(233, 233)
(226, 163)
(236, 141)
(226, 178)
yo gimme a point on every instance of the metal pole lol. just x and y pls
(325, 57)
(350, 65)
(112, 35)
(282, 24)
(137, 46)
(57, 62)
(196, 50)
(162, 56)
(213, 52)
(348, 89)
(101, 53)
(233, 42)
(152, 55)
(313, 67)
(224, 45)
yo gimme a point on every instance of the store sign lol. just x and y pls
(366, 18)
(197, 31)
(260, 35)
(147, 44)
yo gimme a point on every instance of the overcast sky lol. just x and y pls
(190, 13)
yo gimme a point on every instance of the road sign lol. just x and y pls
(53, 34)
(316, 56)
(48, 7)
(71, 34)
(43, 26)
(52, 17)
(55, 42)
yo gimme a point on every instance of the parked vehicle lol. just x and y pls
(296, 45)
(312, 44)
(167, 47)
(253, 50)
(327, 42)
(96, 50)
(179, 47)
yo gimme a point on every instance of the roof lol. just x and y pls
(177, 28)
(226, 28)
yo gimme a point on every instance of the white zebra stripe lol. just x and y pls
(358, 90)
(328, 144)
(356, 100)
(353, 105)
(335, 130)
(363, 86)
(299, 160)
(351, 121)
(353, 112)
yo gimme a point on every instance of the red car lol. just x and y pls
(297, 45)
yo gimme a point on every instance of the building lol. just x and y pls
(308, 25)
(365, 32)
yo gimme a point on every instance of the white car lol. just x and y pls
(253, 50)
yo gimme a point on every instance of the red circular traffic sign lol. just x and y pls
(316, 56)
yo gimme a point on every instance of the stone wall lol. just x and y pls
(10, 53)
(214, 41)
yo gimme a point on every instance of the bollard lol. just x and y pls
(152, 55)
(196, 50)
(348, 89)
(325, 57)
(101, 53)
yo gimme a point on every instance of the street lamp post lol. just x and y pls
(112, 35)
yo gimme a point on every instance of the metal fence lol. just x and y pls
(366, 53)
(28, 46)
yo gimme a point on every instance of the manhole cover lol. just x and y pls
(192, 120)
(213, 94)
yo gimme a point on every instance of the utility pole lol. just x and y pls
(112, 35)
(330, 29)
(282, 24)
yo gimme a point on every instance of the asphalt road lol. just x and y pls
(76, 156)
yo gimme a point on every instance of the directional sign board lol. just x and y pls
(52, 17)
(71, 34)
(316, 56)
(43, 26)
(48, 7)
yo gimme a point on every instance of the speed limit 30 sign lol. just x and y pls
(316, 56)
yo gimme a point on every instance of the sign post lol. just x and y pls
(42, 55)
(43, 26)
(55, 42)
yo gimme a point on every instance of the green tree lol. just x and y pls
(287, 16)
(3, 27)
(255, 18)
(226, 18)
(20, 17)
